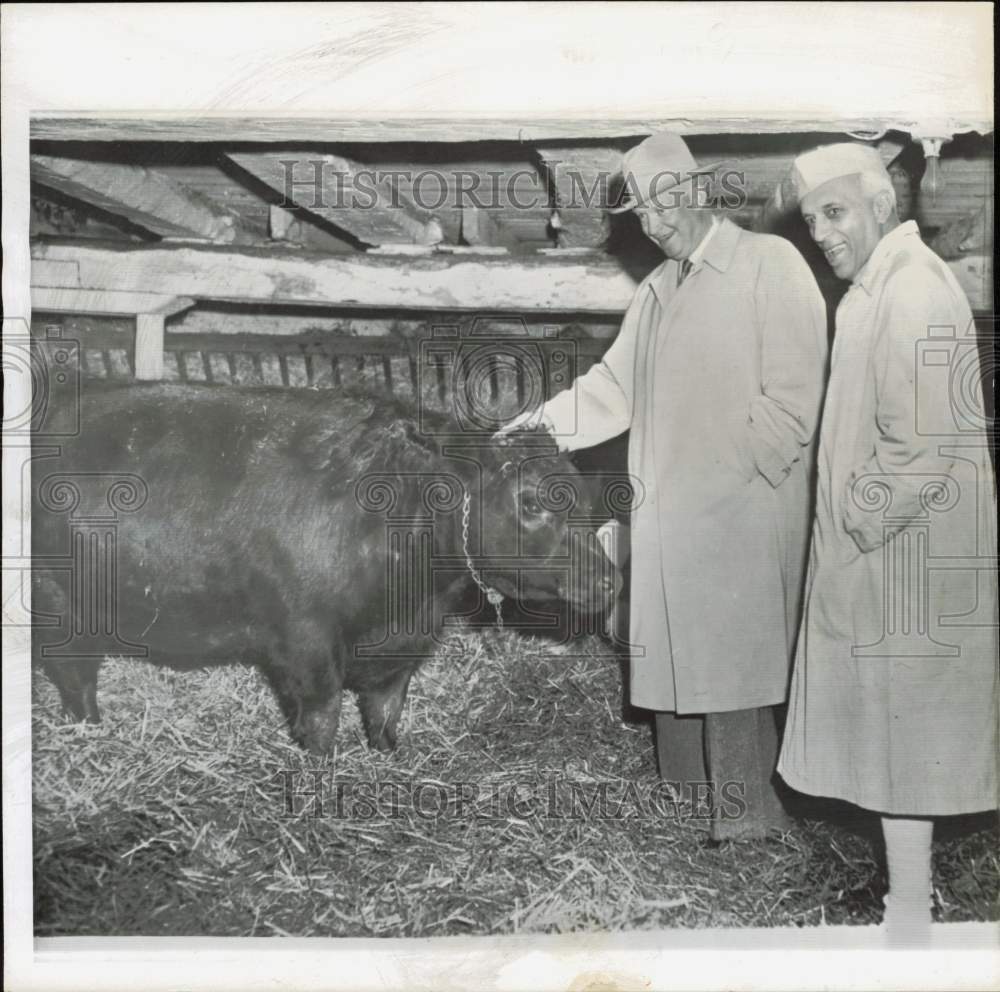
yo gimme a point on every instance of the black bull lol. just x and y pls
(324, 537)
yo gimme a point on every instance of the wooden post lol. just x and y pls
(149, 330)
(149, 309)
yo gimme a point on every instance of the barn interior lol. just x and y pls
(311, 253)
(467, 267)
(164, 246)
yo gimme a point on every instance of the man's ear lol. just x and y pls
(883, 206)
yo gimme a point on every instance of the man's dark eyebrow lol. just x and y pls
(825, 206)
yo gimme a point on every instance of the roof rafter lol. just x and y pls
(347, 194)
(141, 196)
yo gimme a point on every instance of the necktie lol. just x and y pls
(684, 271)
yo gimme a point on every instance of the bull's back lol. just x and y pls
(235, 530)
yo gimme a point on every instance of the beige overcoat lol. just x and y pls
(894, 698)
(720, 381)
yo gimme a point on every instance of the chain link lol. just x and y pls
(494, 597)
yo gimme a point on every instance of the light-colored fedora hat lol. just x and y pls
(655, 165)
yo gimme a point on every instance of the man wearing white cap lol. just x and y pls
(894, 696)
(717, 374)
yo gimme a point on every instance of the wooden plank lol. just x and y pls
(341, 192)
(74, 300)
(482, 228)
(592, 284)
(291, 128)
(142, 196)
(306, 345)
(54, 274)
(282, 224)
(581, 178)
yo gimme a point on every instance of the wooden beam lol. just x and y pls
(576, 173)
(282, 224)
(595, 283)
(580, 174)
(581, 180)
(288, 128)
(141, 196)
(341, 192)
(111, 302)
(483, 229)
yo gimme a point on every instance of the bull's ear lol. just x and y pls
(507, 469)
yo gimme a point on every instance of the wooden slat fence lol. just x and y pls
(497, 372)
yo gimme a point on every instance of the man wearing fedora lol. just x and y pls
(717, 372)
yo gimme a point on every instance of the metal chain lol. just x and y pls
(493, 596)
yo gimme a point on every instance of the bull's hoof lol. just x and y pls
(384, 743)
(318, 741)
(77, 711)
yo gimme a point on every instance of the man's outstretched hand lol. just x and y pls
(530, 419)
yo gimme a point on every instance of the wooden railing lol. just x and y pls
(424, 366)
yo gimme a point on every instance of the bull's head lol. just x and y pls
(538, 526)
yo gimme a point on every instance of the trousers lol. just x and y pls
(737, 750)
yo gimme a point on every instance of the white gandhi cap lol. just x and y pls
(811, 169)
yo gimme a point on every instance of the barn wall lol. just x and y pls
(966, 180)
(322, 344)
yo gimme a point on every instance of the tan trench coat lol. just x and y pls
(720, 381)
(894, 697)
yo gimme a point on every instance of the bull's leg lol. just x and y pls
(308, 679)
(316, 728)
(76, 681)
(381, 707)
(75, 678)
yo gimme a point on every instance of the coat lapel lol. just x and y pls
(720, 250)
